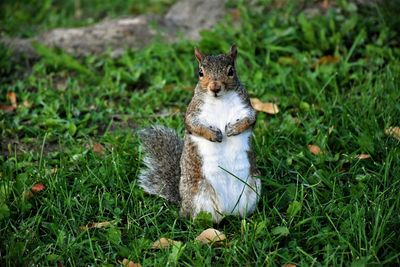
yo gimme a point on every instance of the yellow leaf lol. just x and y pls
(287, 61)
(269, 108)
(314, 149)
(210, 236)
(27, 104)
(163, 243)
(393, 132)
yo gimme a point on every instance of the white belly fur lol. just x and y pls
(223, 161)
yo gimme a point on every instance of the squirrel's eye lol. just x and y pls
(230, 71)
(201, 73)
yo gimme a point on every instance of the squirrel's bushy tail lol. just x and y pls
(163, 149)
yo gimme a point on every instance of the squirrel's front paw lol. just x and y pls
(231, 130)
(216, 134)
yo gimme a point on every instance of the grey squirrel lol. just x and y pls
(213, 169)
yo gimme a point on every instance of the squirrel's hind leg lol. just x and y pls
(205, 200)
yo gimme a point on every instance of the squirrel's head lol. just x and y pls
(217, 74)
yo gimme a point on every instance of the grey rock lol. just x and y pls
(192, 16)
(188, 17)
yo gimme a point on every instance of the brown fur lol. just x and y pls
(192, 178)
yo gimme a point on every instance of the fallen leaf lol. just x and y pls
(314, 149)
(210, 236)
(26, 104)
(325, 4)
(285, 60)
(37, 188)
(96, 225)
(98, 148)
(289, 265)
(393, 132)
(7, 108)
(28, 194)
(175, 110)
(329, 59)
(13, 98)
(235, 14)
(187, 88)
(363, 156)
(163, 243)
(269, 108)
(169, 87)
(127, 263)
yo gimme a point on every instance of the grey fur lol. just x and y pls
(174, 167)
(163, 149)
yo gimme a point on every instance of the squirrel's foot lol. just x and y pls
(231, 130)
(217, 134)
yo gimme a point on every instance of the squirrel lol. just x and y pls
(213, 168)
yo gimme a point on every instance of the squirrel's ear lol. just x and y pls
(198, 55)
(233, 52)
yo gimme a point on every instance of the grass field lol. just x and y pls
(335, 77)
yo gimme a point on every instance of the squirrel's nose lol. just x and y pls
(215, 87)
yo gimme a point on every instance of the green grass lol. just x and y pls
(329, 209)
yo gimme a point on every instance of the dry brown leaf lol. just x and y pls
(96, 225)
(329, 59)
(7, 108)
(393, 132)
(163, 243)
(13, 98)
(100, 224)
(235, 14)
(37, 188)
(210, 236)
(127, 263)
(98, 148)
(187, 88)
(269, 108)
(169, 87)
(363, 156)
(289, 265)
(325, 4)
(314, 149)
